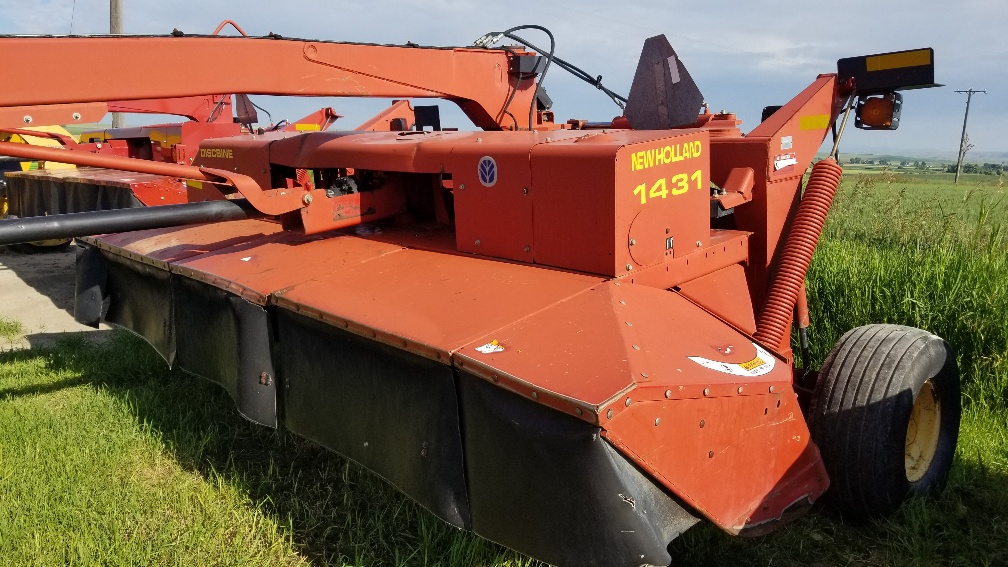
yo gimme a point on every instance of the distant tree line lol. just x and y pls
(921, 165)
(986, 169)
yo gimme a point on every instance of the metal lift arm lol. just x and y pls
(485, 83)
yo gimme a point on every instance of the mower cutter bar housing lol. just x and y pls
(470, 385)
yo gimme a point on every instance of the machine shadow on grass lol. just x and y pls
(336, 512)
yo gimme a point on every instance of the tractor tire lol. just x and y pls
(885, 415)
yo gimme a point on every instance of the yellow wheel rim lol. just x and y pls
(922, 432)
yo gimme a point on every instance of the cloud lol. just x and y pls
(743, 55)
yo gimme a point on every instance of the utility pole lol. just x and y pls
(115, 28)
(962, 140)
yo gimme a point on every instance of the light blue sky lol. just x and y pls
(743, 55)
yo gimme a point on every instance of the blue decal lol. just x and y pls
(488, 171)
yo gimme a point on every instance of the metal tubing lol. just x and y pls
(20, 230)
(39, 153)
(843, 124)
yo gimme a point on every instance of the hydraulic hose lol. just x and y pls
(70, 225)
(775, 317)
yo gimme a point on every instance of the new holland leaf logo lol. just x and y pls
(487, 171)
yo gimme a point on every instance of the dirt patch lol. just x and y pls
(37, 290)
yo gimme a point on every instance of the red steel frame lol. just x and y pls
(622, 215)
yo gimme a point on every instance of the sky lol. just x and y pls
(742, 55)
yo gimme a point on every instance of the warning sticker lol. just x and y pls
(762, 364)
(782, 161)
(490, 348)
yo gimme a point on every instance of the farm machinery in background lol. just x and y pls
(40, 188)
(572, 338)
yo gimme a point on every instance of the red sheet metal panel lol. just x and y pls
(279, 261)
(741, 460)
(725, 294)
(163, 245)
(599, 196)
(493, 204)
(648, 366)
(428, 302)
(601, 344)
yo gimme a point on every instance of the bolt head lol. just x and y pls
(461, 186)
(706, 391)
(76, 116)
(27, 119)
(608, 414)
(307, 199)
(629, 267)
(477, 242)
(699, 244)
(633, 241)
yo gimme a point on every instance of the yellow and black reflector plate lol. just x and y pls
(886, 72)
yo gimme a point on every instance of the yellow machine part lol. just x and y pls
(38, 141)
(29, 165)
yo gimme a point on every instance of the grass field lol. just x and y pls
(107, 457)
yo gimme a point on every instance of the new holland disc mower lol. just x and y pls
(572, 338)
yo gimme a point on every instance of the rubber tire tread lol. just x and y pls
(860, 411)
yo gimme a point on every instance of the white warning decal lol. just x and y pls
(490, 348)
(782, 161)
(763, 363)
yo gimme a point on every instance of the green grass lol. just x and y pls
(107, 457)
(9, 329)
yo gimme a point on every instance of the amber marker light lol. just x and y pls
(880, 112)
(877, 113)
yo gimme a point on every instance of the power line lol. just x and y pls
(963, 143)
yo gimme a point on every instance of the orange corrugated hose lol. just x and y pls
(778, 310)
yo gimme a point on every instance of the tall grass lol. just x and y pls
(934, 257)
